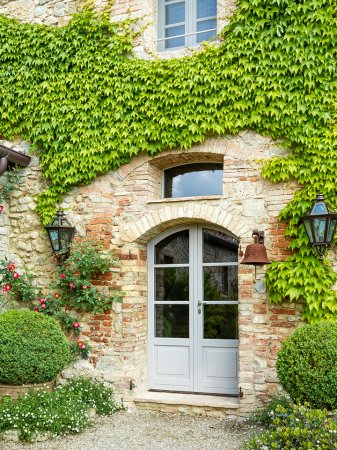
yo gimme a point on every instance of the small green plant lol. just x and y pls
(266, 415)
(15, 286)
(61, 412)
(307, 365)
(33, 348)
(81, 348)
(298, 428)
(9, 185)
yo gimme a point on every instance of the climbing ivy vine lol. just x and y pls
(88, 105)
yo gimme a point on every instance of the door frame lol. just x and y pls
(193, 319)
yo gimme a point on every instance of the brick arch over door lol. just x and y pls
(161, 219)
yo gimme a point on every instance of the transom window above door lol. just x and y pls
(193, 180)
(184, 23)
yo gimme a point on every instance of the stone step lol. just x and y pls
(188, 403)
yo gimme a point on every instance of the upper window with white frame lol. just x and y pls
(184, 23)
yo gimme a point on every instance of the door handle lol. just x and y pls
(200, 303)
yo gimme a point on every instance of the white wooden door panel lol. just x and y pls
(193, 311)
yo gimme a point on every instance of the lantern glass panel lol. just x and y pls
(307, 225)
(319, 227)
(53, 235)
(319, 209)
(332, 229)
(65, 238)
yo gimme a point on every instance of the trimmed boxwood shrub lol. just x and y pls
(33, 348)
(307, 365)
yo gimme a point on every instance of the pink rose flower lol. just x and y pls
(62, 276)
(71, 285)
(76, 325)
(10, 267)
(85, 287)
(42, 300)
(36, 308)
(15, 275)
(43, 305)
(1, 208)
(7, 288)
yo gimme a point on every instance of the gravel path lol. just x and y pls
(145, 430)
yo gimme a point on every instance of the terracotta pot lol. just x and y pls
(15, 390)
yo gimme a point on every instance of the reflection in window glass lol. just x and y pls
(172, 284)
(172, 321)
(219, 247)
(220, 283)
(174, 249)
(220, 321)
(192, 180)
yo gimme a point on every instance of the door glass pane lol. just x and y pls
(220, 321)
(221, 283)
(172, 284)
(218, 247)
(175, 13)
(174, 249)
(172, 321)
(206, 8)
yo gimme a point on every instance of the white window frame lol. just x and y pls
(190, 24)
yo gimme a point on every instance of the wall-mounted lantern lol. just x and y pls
(60, 234)
(256, 254)
(320, 225)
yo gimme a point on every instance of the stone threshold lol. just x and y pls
(198, 400)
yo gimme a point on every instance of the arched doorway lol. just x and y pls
(193, 311)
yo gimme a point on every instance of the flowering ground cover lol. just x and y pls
(64, 411)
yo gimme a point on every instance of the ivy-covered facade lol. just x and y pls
(105, 124)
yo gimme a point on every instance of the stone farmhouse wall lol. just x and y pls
(124, 210)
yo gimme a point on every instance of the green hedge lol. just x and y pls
(307, 365)
(33, 348)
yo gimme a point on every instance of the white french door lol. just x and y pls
(193, 311)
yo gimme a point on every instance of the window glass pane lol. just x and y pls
(175, 13)
(218, 247)
(206, 25)
(172, 321)
(220, 321)
(220, 283)
(175, 42)
(192, 180)
(206, 8)
(172, 284)
(174, 249)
